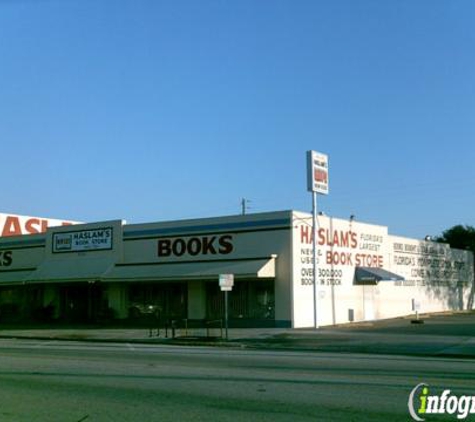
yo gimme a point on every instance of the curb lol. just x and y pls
(249, 344)
(152, 341)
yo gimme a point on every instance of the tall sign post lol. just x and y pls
(317, 183)
(226, 283)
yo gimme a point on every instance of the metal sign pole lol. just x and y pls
(314, 244)
(226, 283)
(317, 183)
(226, 314)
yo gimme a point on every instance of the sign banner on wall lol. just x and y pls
(84, 240)
(17, 225)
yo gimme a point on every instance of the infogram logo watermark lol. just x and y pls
(422, 404)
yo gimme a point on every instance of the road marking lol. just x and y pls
(45, 344)
(130, 347)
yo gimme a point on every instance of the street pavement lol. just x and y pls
(353, 372)
(51, 381)
(446, 335)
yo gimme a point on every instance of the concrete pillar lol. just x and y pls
(117, 300)
(51, 298)
(196, 300)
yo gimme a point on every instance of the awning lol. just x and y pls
(368, 275)
(242, 269)
(14, 277)
(71, 270)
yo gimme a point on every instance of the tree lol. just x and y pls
(459, 237)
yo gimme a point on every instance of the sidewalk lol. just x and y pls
(141, 335)
(449, 335)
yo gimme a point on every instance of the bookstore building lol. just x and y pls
(112, 272)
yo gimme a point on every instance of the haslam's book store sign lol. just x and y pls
(317, 172)
(17, 225)
(84, 240)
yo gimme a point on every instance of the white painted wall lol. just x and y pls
(438, 277)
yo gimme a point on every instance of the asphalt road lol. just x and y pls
(74, 381)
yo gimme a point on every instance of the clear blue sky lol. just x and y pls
(151, 110)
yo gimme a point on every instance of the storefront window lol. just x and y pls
(247, 300)
(165, 301)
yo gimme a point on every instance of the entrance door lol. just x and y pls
(80, 303)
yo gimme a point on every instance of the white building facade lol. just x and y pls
(111, 271)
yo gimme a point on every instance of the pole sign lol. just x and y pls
(317, 183)
(317, 172)
(226, 282)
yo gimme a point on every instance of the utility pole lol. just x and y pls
(244, 205)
